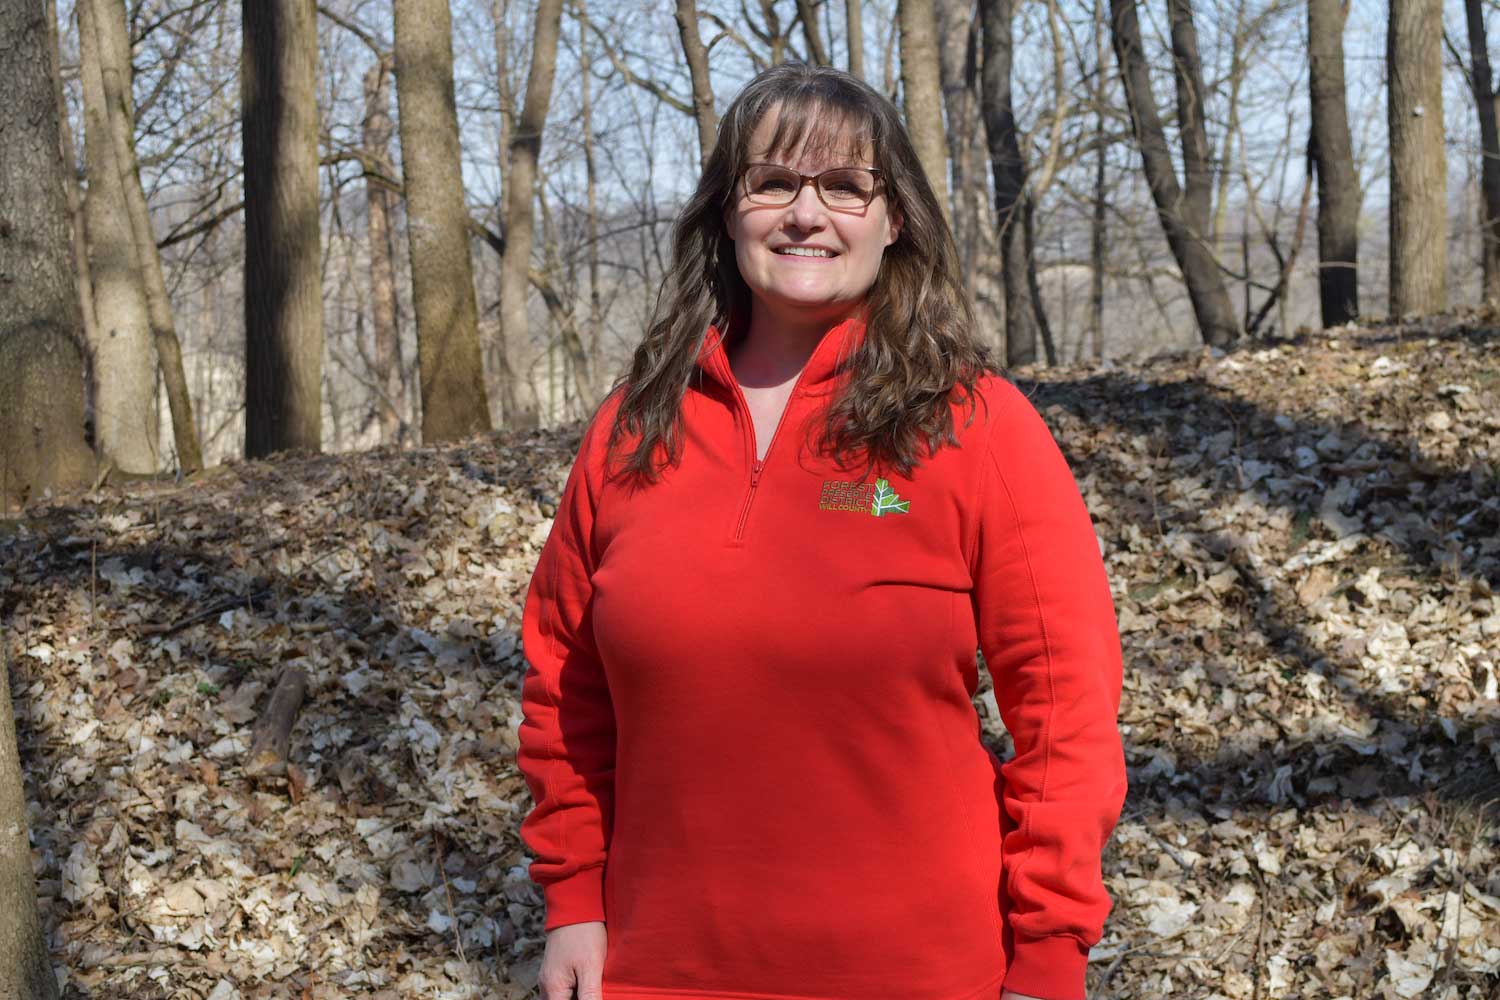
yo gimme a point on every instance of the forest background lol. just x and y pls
(1048, 136)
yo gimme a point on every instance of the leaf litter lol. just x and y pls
(1304, 546)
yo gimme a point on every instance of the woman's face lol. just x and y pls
(825, 287)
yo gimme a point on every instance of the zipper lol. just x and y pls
(758, 465)
(739, 532)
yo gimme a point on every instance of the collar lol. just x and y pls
(824, 366)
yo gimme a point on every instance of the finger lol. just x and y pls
(591, 984)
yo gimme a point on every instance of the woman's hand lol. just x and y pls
(1013, 995)
(574, 957)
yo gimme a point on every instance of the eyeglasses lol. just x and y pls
(775, 186)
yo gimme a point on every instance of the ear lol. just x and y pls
(894, 220)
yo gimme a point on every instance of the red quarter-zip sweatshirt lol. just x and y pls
(748, 726)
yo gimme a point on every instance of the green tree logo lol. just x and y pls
(887, 501)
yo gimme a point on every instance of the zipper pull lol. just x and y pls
(755, 472)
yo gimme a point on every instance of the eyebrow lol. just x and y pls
(849, 160)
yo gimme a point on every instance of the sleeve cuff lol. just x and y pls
(575, 899)
(1052, 967)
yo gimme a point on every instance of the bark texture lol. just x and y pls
(455, 403)
(703, 91)
(283, 284)
(115, 69)
(1009, 170)
(525, 148)
(1333, 158)
(1419, 177)
(854, 25)
(41, 409)
(922, 95)
(807, 13)
(378, 131)
(1199, 266)
(124, 362)
(1481, 82)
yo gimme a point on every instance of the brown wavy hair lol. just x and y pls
(920, 342)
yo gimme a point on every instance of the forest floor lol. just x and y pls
(1304, 545)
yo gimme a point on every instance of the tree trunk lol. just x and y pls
(283, 268)
(703, 91)
(1097, 222)
(79, 243)
(958, 39)
(854, 25)
(115, 68)
(807, 12)
(1010, 181)
(1482, 82)
(455, 403)
(1197, 172)
(591, 181)
(41, 411)
(1419, 182)
(1200, 269)
(42, 359)
(124, 366)
(1338, 184)
(378, 130)
(525, 150)
(921, 93)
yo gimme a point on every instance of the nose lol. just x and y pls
(806, 211)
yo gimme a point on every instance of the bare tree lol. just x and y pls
(1183, 211)
(82, 279)
(455, 403)
(42, 361)
(817, 52)
(1097, 222)
(1419, 183)
(703, 91)
(124, 363)
(854, 24)
(1481, 83)
(921, 93)
(958, 37)
(1009, 169)
(1331, 151)
(41, 411)
(115, 69)
(377, 133)
(525, 148)
(283, 287)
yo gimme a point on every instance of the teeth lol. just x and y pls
(805, 252)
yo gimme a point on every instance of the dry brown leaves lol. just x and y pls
(1304, 543)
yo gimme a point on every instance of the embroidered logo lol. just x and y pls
(887, 501)
(876, 498)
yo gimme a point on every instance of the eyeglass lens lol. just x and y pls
(845, 187)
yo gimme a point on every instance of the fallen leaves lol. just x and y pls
(1304, 542)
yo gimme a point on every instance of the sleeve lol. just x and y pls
(1047, 628)
(567, 732)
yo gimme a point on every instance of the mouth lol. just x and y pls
(801, 251)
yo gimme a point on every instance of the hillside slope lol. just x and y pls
(1304, 543)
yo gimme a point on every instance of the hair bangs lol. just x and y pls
(819, 124)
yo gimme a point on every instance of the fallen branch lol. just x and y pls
(273, 730)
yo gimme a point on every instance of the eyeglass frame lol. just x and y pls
(806, 179)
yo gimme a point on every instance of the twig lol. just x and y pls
(208, 612)
(439, 839)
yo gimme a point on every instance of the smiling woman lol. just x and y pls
(752, 651)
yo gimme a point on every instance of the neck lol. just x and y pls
(775, 348)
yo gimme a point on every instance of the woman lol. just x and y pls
(752, 631)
